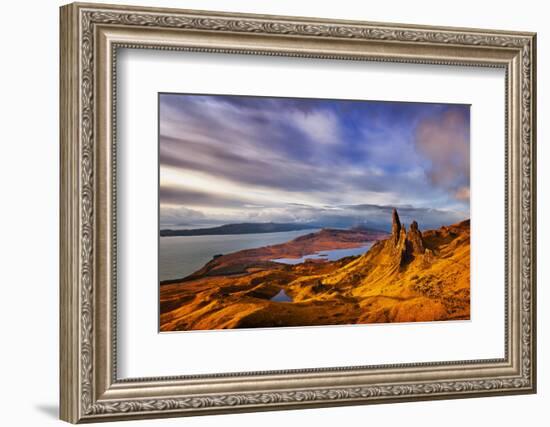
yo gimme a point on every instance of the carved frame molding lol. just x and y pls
(90, 37)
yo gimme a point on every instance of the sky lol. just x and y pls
(331, 163)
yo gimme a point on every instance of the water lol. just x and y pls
(281, 297)
(180, 256)
(331, 255)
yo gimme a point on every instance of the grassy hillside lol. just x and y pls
(410, 276)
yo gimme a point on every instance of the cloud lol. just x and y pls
(179, 215)
(427, 218)
(344, 216)
(445, 141)
(320, 126)
(191, 197)
(225, 160)
(227, 155)
(463, 193)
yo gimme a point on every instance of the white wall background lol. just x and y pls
(29, 170)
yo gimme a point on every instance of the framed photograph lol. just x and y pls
(265, 212)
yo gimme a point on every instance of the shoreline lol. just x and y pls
(307, 245)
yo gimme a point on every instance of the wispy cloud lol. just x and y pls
(445, 141)
(319, 126)
(232, 158)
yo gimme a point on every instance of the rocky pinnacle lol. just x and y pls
(405, 245)
(395, 227)
(414, 238)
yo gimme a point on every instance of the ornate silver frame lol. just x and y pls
(90, 36)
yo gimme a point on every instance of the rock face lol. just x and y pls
(395, 226)
(414, 238)
(405, 245)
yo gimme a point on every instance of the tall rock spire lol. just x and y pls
(395, 226)
(414, 238)
(405, 245)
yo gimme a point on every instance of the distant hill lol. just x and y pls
(243, 228)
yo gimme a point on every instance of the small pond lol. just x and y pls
(281, 297)
(332, 255)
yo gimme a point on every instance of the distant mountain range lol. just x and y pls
(243, 228)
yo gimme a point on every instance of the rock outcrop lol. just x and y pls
(395, 227)
(405, 245)
(414, 239)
